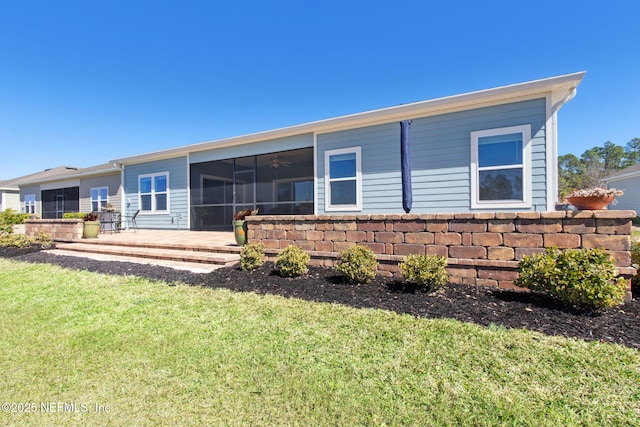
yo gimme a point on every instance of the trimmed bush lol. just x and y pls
(425, 271)
(635, 260)
(585, 278)
(9, 218)
(358, 264)
(292, 262)
(252, 256)
(44, 239)
(15, 240)
(73, 215)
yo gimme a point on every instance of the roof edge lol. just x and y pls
(562, 83)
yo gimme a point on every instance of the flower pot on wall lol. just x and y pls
(590, 202)
(90, 229)
(240, 232)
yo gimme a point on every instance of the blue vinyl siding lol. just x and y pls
(256, 148)
(178, 173)
(440, 158)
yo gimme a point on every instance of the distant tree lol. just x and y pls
(631, 153)
(569, 174)
(594, 164)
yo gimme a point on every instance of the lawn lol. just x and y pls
(112, 350)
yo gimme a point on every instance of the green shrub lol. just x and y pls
(73, 215)
(9, 218)
(425, 271)
(252, 256)
(582, 277)
(15, 240)
(292, 262)
(44, 239)
(358, 264)
(635, 260)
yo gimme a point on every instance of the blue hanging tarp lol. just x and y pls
(405, 165)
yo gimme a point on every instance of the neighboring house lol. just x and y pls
(628, 180)
(10, 197)
(72, 190)
(489, 150)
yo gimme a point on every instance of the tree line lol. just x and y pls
(594, 164)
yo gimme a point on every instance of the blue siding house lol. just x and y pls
(491, 150)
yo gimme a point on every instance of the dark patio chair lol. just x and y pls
(131, 221)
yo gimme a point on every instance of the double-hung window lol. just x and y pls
(154, 192)
(343, 179)
(500, 172)
(30, 203)
(99, 198)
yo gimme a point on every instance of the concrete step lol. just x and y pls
(146, 252)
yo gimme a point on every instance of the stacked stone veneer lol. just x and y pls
(481, 248)
(58, 229)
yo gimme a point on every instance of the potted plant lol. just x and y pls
(91, 226)
(240, 226)
(593, 198)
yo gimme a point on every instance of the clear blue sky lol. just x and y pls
(83, 82)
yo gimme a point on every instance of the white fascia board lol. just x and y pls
(621, 177)
(500, 95)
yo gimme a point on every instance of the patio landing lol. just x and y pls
(198, 251)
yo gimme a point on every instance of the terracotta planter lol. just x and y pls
(590, 203)
(240, 232)
(90, 229)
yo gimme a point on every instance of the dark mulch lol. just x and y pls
(483, 306)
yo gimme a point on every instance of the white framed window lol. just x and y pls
(343, 179)
(30, 204)
(99, 198)
(153, 192)
(500, 168)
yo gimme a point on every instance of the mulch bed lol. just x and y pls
(480, 305)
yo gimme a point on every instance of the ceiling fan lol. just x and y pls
(276, 162)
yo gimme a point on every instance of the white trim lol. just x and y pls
(626, 175)
(476, 203)
(327, 180)
(188, 191)
(99, 199)
(153, 210)
(551, 150)
(315, 174)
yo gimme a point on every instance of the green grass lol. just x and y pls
(179, 355)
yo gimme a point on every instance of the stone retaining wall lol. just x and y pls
(65, 229)
(481, 248)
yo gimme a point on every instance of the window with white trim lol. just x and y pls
(153, 192)
(343, 179)
(500, 171)
(99, 198)
(30, 203)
